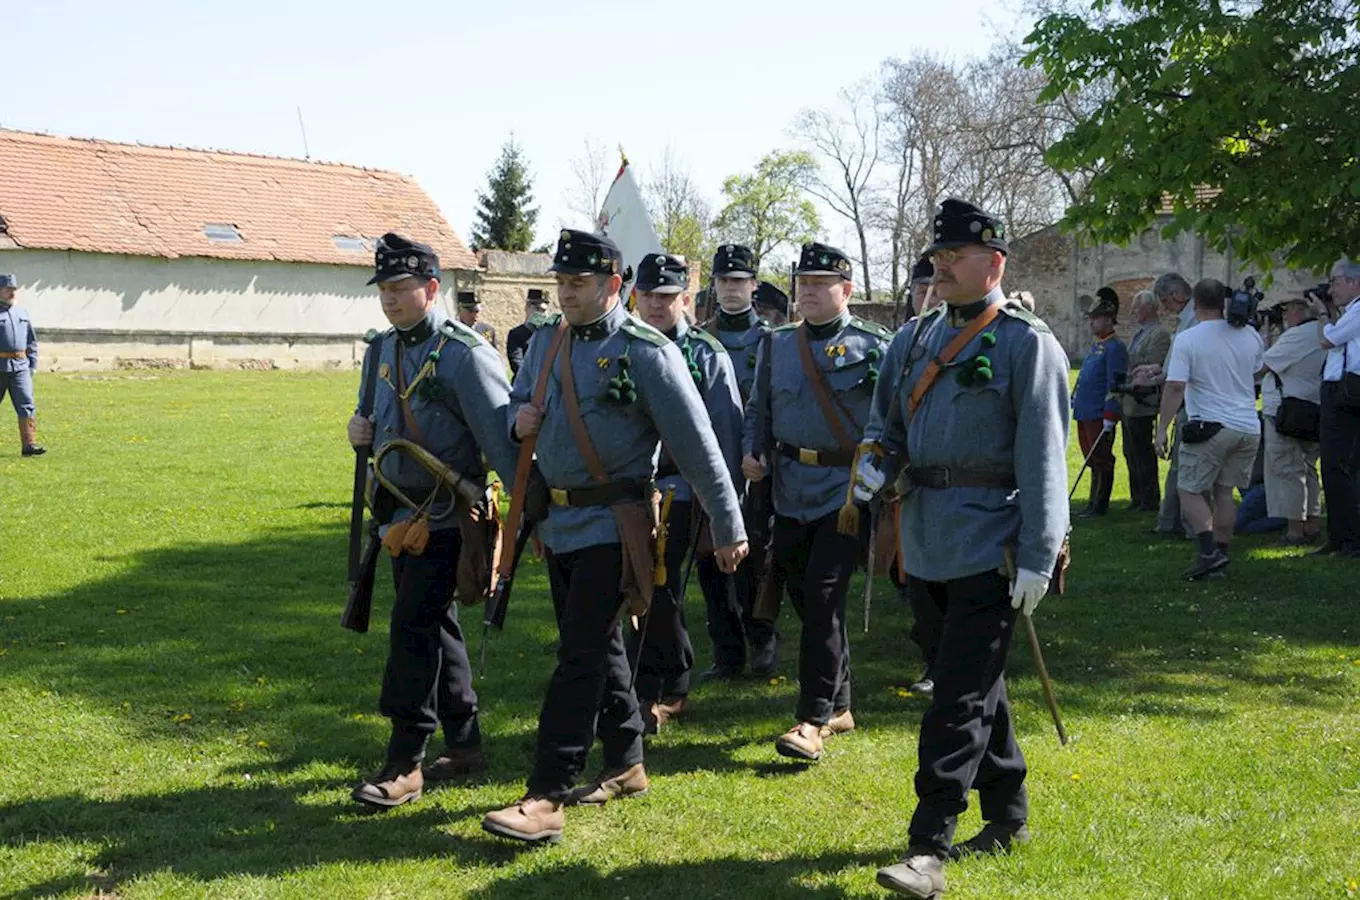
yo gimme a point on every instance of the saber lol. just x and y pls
(1047, 682)
(1085, 463)
(869, 568)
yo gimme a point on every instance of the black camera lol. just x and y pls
(1121, 386)
(1242, 303)
(1274, 315)
(1322, 292)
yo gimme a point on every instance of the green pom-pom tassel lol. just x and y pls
(874, 353)
(613, 394)
(984, 375)
(981, 362)
(988, 339)
(630, 397)
(751, 360)
(623, 363)
(615, 384)
(434, 356)
(966, 377)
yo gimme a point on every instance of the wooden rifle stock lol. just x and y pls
(360, 603)
(362, 563)
(760, 498)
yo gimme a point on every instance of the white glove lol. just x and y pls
(1029, 588)
(868, 479)
(1107, 427)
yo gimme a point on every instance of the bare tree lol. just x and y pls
(679, 212)
(592, 171)
(846, 140)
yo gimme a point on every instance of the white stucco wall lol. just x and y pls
(103, 310)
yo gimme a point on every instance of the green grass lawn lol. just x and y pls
(181, 715)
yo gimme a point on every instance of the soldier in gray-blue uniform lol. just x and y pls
(984, 517)
(456, 398)
(617, 389)
(815, 436)
(772, 304)
(18, 362)
(735, 633)
(662, 647)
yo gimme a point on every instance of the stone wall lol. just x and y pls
(1057, 268)
(502, 286)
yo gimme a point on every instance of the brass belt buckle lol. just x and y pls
(808, 457)
(559, 496)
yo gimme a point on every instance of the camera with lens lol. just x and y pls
(1323, 293)
(1241, 306)
(1274, 316)
(1138, 392)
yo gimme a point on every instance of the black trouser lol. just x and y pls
(817, 562)
(662, 649)
(1140, 455)
(925, 629)
(591, 687)
(428, 681)
(729, 599)
(967, 737)
(1340, 446)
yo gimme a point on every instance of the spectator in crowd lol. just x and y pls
(1095, 405)
(1252, 517)
(1173, 293)
(1147, 358)
(1212, 370)
(1339, 329)
(1293, 369)
(517, 341)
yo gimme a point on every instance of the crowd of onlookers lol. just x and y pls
(1186, 388)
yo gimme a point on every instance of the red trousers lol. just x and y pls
(1087, 434)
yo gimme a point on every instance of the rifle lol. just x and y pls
(770, 586)
(363, 561)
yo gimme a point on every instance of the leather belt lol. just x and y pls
(942, 477)
(13, 354)
(602, 495)
(830, 458)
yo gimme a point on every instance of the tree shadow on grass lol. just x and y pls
(789, 876)
(211, 832)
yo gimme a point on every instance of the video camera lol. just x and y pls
(1241, 306)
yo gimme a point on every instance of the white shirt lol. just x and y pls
(1218, 364)
(1345, 334)
(1297, 357)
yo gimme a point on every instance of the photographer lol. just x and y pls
(1173, 293)
(1213, 371)
(1293, 369)
(1148, 350)
(1339, 334)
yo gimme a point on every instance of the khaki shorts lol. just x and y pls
(1226, 458)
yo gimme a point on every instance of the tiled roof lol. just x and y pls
(101, 197)
(1203, 193)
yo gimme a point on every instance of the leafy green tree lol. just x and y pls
(1257, 101)
(769, 208)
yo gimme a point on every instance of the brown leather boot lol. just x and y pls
(396, 784)
(611, 784)
(802, 741)
(455, 762)
(841, 723)
(534, 820)
(28, 437)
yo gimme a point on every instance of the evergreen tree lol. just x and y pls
(505, 220)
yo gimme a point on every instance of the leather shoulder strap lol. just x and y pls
(408, 418)
(526, 452)
(946, 356)
(823, 393)
(578, 425)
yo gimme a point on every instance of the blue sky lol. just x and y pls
(432, 89)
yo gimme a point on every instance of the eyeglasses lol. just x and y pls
(949, 257)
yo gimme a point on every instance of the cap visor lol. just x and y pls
(821, 272)
(571, 270)
(388, 279)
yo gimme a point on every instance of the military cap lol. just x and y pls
(583, 253)
(823, 259)
(959, 223)
(923, 271)
(662, 273)
(8, 280)
(772, 297)
(468, 300)
(397, 257)
(734, 259)
(1105, 303)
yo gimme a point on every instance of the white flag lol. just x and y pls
(624, 219)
